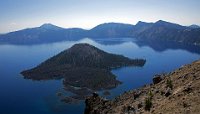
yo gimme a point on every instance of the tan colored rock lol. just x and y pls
(184, 97)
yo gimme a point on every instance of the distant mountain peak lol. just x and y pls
(111, 24)
(194, 26)
(162, 22)
(141, 23)
(49, 26)
(48, 32)
(168, 24)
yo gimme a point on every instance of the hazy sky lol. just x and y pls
(19, 14)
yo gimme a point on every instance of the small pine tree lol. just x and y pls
(150, 94)
(169, 84)
(148, 104)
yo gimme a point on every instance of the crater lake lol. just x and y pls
(22, 96)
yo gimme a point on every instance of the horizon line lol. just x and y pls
(93, 26)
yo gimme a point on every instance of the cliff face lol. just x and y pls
(173, 93)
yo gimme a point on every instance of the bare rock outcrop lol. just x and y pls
(177, 93)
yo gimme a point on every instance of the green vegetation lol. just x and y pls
(91, 78)
(148, 103)
(82, 66)
(150, 94)
(169, 83)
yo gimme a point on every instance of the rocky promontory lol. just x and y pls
(174, 93)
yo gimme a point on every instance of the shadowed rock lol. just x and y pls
(157, 79)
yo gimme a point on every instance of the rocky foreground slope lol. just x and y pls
(177, 92)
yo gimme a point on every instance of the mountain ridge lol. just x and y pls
(160, 30)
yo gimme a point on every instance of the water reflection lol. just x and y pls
(31, 97)
(158, 46)
(161, 46)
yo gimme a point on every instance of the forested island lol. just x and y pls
(83, 67)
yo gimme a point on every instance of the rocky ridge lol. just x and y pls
(174, 93)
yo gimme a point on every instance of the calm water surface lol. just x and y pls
(23, 96)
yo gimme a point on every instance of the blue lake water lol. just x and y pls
(23, 96)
